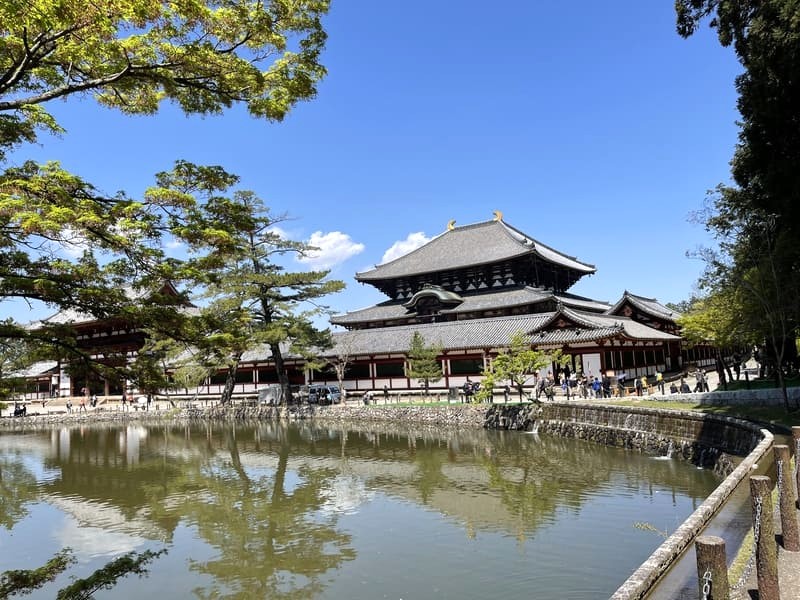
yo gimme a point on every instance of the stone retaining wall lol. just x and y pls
(764, 397)
(705, 440)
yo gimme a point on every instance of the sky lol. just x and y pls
(592, 126)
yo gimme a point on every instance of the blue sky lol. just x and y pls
(592, 126)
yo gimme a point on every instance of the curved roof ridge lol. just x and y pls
(536, 244)
(584, 319)
(475, 244)
(649, 305)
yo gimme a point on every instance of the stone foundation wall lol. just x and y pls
(704, 440)
(764, 397)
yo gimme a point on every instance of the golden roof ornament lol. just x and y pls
(451, 225)
(498, 216)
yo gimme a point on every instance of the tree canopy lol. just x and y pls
(423, 364)
(236, 252)
(65, 244)
(517, 363)
(755, 220)
(133, 54)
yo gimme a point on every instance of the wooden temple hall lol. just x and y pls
(468, 290)
(472, 287)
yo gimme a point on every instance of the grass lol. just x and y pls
(739, 563)
(760, 384)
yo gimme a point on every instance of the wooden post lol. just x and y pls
(791, 536)
(766, 548)
(796, 436)
(712, 568)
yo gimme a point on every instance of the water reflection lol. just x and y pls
(270, 510)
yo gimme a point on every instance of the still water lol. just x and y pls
(285, 511)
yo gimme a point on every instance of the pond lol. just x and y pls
(276, 510)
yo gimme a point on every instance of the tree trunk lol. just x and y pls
(721, 370)
(283, 376)
(784, 392)
(230, 380)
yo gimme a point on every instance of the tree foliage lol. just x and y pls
(132, 55)
(518, 362)
(24, 581)
(755, 221)
(65, 244)
(422, 363)
(237, 253)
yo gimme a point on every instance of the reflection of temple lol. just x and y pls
(467, 290)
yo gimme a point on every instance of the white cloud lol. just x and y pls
(74, 243)
(281, 233)
(174, 244)
(401, 247)
(334, 248)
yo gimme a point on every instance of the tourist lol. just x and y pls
(549, 389)
(660, 382)
(645, 386)
(698, 381)
(606, 386)
(637, 383)
(597, 388)
(673, 389)
(684, 387)
(124, 400)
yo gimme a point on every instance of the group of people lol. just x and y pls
(596, 387)
(575, 384)
(469, 389)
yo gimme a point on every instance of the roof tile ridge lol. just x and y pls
(639, 297)
(406, 255)
(580, 316)
(536, 242)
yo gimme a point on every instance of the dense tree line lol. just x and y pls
(751, 287)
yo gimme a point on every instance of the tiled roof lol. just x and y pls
(568, 336)
(585, 321)
(71, 316)
(477, 244)
(496, 332)
(466, 334)
(650, 306)
(388, 311)
(38, 368)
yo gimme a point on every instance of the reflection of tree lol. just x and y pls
(260, 495)
(17, 489)
(537, 476)
(429, 475)
(271, 542)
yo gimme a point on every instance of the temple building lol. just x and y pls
(468, 291)
(471, 288)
